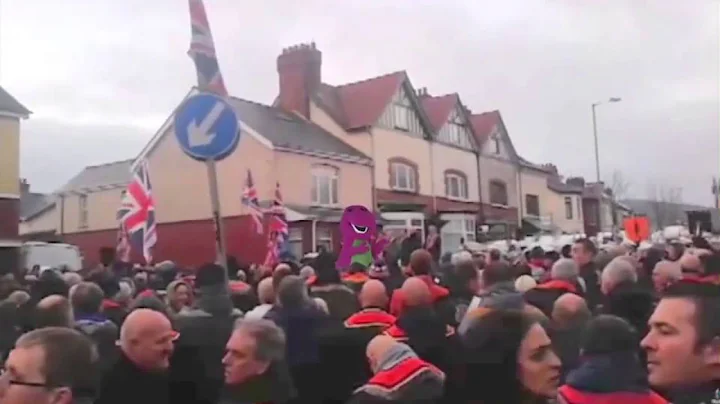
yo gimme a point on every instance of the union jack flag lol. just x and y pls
(202, 51)
(278, 230)
(250, 199)
(137, 212)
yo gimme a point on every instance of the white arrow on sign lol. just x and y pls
(199, 134)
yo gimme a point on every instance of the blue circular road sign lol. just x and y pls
(206, 127)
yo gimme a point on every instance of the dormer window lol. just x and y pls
(496, 144)
(455, 131)
(401, 112)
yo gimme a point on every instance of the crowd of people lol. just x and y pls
(574, 326)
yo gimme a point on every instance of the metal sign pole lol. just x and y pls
(217, 215)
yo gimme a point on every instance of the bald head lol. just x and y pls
(307, 272)
(266, 293)
(690, 263)
(146, 339)
(668, 269)
(378, 347)
(416, 292)
(373, 294)
(19, 297)
(141, 323)
(570, 310)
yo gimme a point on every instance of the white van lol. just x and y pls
(51, 255)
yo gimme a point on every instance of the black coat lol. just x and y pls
(125, 383)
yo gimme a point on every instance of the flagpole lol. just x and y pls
(217, 216)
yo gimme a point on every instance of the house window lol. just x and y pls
(324, 185)
(498, 193)
(401, 116)
(295, 239)
(455, 231)
(568, 208)
(579, 205)
(532, 205)
(83, 212)
(403, 177)
(402, 111)
(456, 185)
(496, 144)
(324, 238)
(455, 131)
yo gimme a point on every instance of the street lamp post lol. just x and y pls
(597, 158)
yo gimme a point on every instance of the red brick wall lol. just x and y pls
(190, 243)
(9, 218)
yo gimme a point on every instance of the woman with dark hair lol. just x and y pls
(509, 359)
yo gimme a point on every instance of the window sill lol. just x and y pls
(322, 205)
(499, 206)
(457, 199)
(404, 191)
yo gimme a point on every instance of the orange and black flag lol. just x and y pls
(637, 228)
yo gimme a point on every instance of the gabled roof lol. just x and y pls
(291, 132)
(274, 128)
(8, 103)
(363, 102)
(486, 124)
(108, 175)
(438, 109)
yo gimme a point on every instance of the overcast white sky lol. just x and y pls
(102, 75)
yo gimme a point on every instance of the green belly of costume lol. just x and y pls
(364, 259)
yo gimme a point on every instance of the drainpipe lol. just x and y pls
(373, 167)
(62, 214)
(432, 177)
(481, 210)
(313, 234)
(521, 207)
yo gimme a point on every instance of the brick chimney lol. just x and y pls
(300, 76)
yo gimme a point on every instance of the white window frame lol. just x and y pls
(580, 209)
(496, 145)
(82, 211)
(462, 186)
(568, 202)
(329, 174)
(456, 130)
(401, 112)
(403, 221)
(458, 225)
(324, 238)
(408, 171)
(295, 240)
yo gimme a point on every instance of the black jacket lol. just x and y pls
(126, 383)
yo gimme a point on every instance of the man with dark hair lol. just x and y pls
(683, 345)
(583, 252)
(86, 300)
(610, 371)
(51, 365)
(204, 331)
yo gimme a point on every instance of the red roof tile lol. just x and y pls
(360, 104)
(438, 108)
(484, 124)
